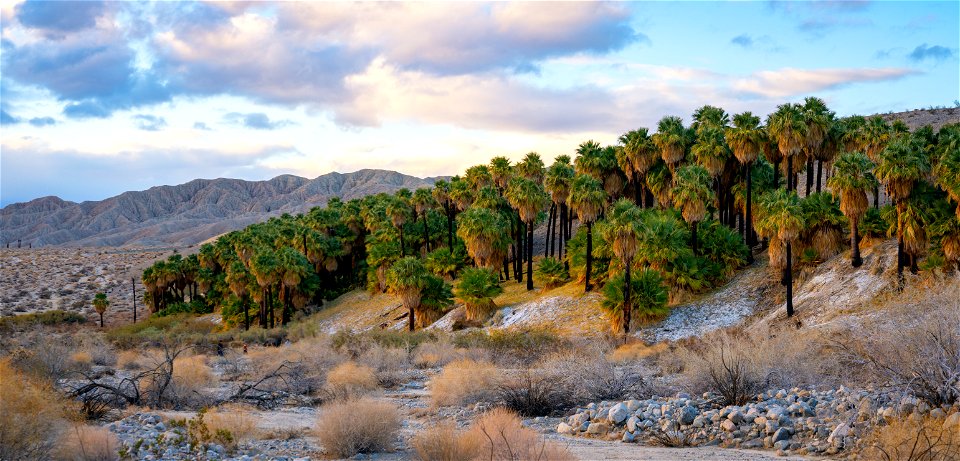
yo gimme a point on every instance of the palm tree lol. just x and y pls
(461, 193)
(789, 129)
(557, 183)
(292, 268)
(528, 198)
(100, 303)
(501, 171)
(264, 266)
(601, 163)
(478, 176)
(901, 165)
(587, 198)
(746, 140)
(819, 120)
(407, 278)
(648, 299)
(531, 167)
(637, 154)
(672, 139)
(852, 179)
(476, 288)
(691, 192)
(782, 219)
(441, 193)
(875, 136)
(486, 234)
(622, 231)
(398, 212)
(947, 171)
(423, 202)
(239, 281)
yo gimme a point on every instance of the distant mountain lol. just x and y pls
(188, 213)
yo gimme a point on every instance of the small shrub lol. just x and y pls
(88, 443)
(82, 358)
(31, 417)
(237, 420)
(464, 381)
(501, 436)
(349, 380)
(913, 439)
(636, 351)
(588, 376)
(523, 345)
(552, 273)
(129, 360)
(357, 426)
(47, 318)
(476, 288)
(531, 393)
(444, 442)
(438, 354)
(392, 365)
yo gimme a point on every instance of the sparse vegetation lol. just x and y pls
(464, 381)
(357, 426)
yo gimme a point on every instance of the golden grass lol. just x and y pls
(234, 418)
(346, 428)
(462, 381)
(635, 351)
(31, 415)
(192, 372)
(87, 443)
(444, 442)
(914, 439)
(501, 436)
(437, 354)
(129, 360)
(82, 358)
(349, 380)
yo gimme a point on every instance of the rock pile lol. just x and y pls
(796, 422)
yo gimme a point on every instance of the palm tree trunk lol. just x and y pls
(506, 269)
(809, 176)
(789, 173)
(101, 319)
(647, 197)
(426, 233)
(246, 313)
(637, 191)
(518, 264)
(776, 175)
(819, 174)
(530, 256)
(900, 263)
(551, 227)
(856, 261)
(561, 248)
(587, 286)
(913, 264)
(449, 227)
(402, 252)
(750, 237)
(789, 281)
(285, 316)
(410, 317)
(876, 197)
(693, 237)
(627, 300)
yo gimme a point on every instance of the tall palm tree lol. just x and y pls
(637, 154)
(264, 266)
(901, 165)
(587, 198)
(528, 198)
(501, 171)
(292, 268)
(789, 129)
(782, 219)
(239, 281)
(100, 303)
(407, 278)
(486, 234)
(557, 183)
(947, 171)
(423, 202)
(672, 139)
(441, 193)
(478, 176)
(398, 211)
(818, 119)
(601, 163)
(622, 232)
(852, 179)
(746, 140)
(691, 192)
(876, 134)
(461, 193)
(531, 167)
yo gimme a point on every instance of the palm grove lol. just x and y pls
(658, 216)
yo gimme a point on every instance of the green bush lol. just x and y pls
(648, 296)
(552, 273)
(196, 306)
(476, 288)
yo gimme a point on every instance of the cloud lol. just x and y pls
(935, 53)
(42, 121)
(743, 40)
(256, 120)
(201, 126)
(149, 122)
(7, 119)
(787, 82)
(57, 17)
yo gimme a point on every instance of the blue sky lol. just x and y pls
(100, 98)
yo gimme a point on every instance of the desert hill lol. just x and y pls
(187, 213)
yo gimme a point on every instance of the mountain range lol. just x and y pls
(185, 214)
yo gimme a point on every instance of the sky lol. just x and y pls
(101, 98)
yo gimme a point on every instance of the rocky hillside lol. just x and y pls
(187, 213)
(920, 117)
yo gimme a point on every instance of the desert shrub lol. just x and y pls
(349, 380)
(392, 365)
(552, 273)
(87, 443)
(129, 360)
(346, 428)
(200, 433)
(443, 442)
(31, 416)
(637, 351)
(100, 351)
(532, 393)
(501, 436)
(298, 369)
(588, 376)
(519, 345)
(913, 439)
(354, 343)
(922, 358)
(82, 359)
(464, 381)
(45, 357)
(237, 420)
(438, 354)
(182, 385)
(47, 318)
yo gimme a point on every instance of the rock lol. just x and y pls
(771, 426)
(952, 421)
(781, 434)
(633, 405)
(160, 427)
(684, 395)
(618, 413)
(687, 415)
(628, 437)
(564, 428)
(699, 421)
(736, 416)
(598, 428)
(632, 423)
(781, 447)
(937, 413)
(836, 437)
(728, 425)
